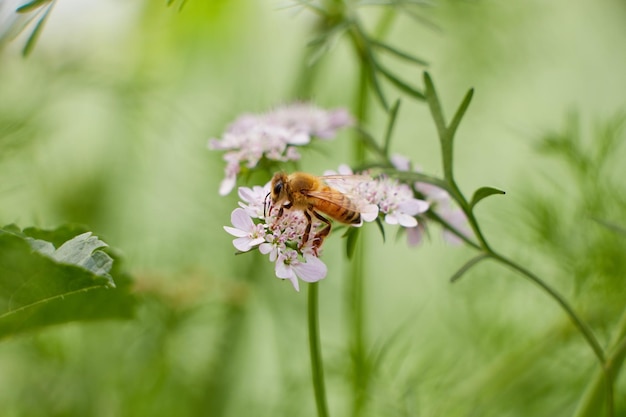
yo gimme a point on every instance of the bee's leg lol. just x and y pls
(282, 209)
(321, 235)
(307, 231)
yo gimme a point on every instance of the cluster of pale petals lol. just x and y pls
(274, 135)
(256, 226)
(393, 199)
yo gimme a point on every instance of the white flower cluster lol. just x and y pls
(255, 225)
(395, 200)
(279, 237)
(274, 136)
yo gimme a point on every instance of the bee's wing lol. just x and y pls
(345, 183)
(336, 197)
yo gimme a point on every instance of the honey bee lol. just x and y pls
(312, 196)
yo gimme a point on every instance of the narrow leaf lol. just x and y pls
(403, 86)
(460, 113)
(390, 125)
(373, 76)
(379, 223)
(34, 35)
(398, 53)
(483, 193)
(434, 105)
(362, 45)
(467, 266)
(30, 6)
(351, 241)
(371, 143)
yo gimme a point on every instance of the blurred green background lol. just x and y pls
(106, 124)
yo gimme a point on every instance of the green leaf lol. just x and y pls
(41, 285)
(467, 266)
(390, 125)
(371, 143)
(401, 85)
(379, 223)
(483, 193)
(34, 35)
(373, 76)
(352, 235)
(434, 105)
(398, 53)
(460, 113)
(446, 133)
(30, 6)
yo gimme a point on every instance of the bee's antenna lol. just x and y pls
(265, 205)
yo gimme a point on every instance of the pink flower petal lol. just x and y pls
(241, 220)
(369, 213)
(242, 244)
(235, 232)
(413, 206)
(406, 220)
(227, 185)
(312, 270)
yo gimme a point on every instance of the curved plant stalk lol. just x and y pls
(446, 137)
(597, 387)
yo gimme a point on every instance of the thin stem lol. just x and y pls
(317, 368)
(356, 286)
(360, 377)
(578, 322)
(591, 399)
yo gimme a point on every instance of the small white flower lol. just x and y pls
(253, 200)
(288, 266)
(247, 233)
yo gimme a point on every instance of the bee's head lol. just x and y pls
(277, 191)
(279, 183)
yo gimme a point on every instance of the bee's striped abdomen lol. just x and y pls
(339, 207)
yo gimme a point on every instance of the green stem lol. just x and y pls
(591, 399)
(356, 287)
(317, 368)
(360, 377)
(578, 322)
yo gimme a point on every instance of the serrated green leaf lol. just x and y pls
(483, 193)
(37, 290)
(467, 266)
